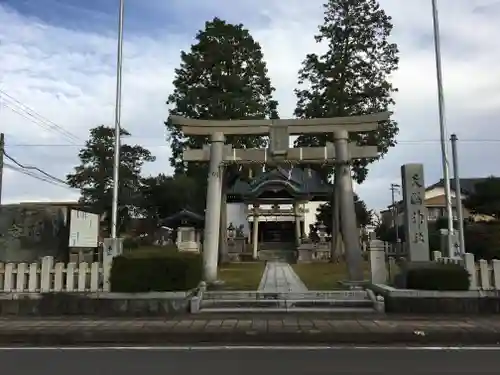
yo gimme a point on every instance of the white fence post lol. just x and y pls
(22, 268)
(82, 276)
(2, 275)
(70, 277)
(58, 277)
(46, 274)
(470, 266)
(8, 282)
(495, 265)
(33, 278)
(484, 274)
(95, 268)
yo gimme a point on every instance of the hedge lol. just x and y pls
(437, 276)
(171, 272)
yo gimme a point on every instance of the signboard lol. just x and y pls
(415, 212)
(83, 229)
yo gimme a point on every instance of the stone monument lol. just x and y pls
(455, 243)
(378, 265)
(415, 212)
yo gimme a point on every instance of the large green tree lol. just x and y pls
(364, 216)
(485, 200)
(352, 76)
(163, 196)
(222, 77)
(94, 175)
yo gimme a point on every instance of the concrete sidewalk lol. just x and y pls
(256, 330)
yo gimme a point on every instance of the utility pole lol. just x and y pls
(118, 107)
(2, 146)
(394, 188)
(458, 194)
(442, 126)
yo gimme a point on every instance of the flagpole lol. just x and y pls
(442, 127)
(118, 104)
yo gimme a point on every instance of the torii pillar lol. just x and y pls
(348, 222)
(213, 210)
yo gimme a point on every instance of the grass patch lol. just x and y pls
(325, 276)
(241, 276)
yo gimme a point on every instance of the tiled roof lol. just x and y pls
(302, 180)
(183, 215)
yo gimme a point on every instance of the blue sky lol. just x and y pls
(58, 57)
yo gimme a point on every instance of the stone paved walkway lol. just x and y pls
(279, 277)
(251, 330)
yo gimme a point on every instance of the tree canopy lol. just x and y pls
(163, 196)
(352, 77)
(94, 175)
(485, 199)
(364, 216)
(222, 77)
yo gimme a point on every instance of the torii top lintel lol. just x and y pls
(364, 123)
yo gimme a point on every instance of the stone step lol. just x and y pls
(302, 303)
(259, 295)
(310, 310)
(277, 255)
(277, 246)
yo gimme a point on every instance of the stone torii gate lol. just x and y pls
(339, 154)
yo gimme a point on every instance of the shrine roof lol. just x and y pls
(300, 181)
(182, 217)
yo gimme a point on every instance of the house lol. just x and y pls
(435, 202)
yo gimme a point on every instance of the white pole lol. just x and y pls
(118, 105)
(458, 194)
(442, 127)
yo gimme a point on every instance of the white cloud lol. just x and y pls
(67, 75)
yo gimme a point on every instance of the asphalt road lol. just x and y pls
(248, 362)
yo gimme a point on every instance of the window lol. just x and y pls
(433, 213)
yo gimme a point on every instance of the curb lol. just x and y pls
(145, 337)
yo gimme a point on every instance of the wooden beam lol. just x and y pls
(362, 123)
(315, 155)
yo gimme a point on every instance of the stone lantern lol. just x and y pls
(322, 232)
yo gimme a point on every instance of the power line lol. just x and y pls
(33, 168)
(30, 114)
(403, 142)
(33, 175)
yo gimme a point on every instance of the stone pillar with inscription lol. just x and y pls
(455, 242)
(415, 212)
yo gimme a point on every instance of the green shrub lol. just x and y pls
(152, 251)
(168, 272)
(437, 276)
(130, 243)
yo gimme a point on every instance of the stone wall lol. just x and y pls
(95, 304)
(404, 301)
(30, 232)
